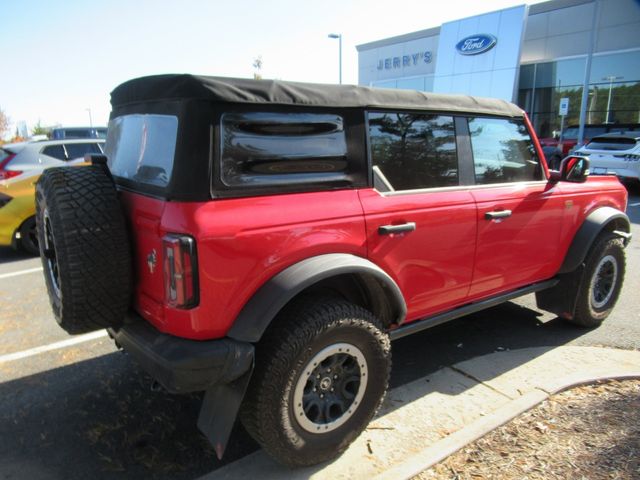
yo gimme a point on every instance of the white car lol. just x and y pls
(23, 158)
(614, 154)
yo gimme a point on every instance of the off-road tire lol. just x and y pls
(302, 331)
(590, 312)
(28, 237)
(84, 248)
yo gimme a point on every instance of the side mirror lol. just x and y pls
(573, 168)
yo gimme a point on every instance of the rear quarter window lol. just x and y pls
(77, 150)
(141, 148)
(55, 151)
(270, 149)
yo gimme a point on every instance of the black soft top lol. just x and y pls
(276, 92)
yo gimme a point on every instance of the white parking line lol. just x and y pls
(634, 204)
(20, 272)
(53, 346)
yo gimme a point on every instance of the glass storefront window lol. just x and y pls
(622, 66)
(614, 103)
(614, 91)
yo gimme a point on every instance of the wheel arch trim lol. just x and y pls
(271, 297)
(601, 219)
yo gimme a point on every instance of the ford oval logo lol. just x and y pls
(476, 44)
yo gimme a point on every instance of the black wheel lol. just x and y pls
(321, 373)
(84, 248)
(601, 282)
(29, 237)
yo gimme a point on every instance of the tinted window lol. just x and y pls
(141, 148)
(413, 151)
(612, 143)
(571, 133)
(77, 150)
(502, 151)
(4, 154)
(277, 149)
(55, 151)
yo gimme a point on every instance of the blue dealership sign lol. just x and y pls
(476, 44)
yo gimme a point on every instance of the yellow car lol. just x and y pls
(17, 212)
(18, 209)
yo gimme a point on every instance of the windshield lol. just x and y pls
(140, 148)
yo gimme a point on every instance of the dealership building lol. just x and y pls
(581, 54)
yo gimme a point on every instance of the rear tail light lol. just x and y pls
(180, 271)
(6, 174)
(4, 199)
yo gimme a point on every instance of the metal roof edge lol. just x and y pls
(429, 32)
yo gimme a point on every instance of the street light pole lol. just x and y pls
(339, 37)
(90, 119)
(610, 78)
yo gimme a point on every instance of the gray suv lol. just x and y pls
(25, 157)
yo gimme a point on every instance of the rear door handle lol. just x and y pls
(497, 214)
(389, 229)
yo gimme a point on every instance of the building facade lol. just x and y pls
(586, 51)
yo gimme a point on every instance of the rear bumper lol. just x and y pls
(623, 173)
(182, 365)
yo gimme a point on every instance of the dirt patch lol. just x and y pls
(590, 432)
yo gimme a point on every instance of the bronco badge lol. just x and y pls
(152, 259)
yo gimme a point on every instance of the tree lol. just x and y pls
(38, 129)
(5, 121)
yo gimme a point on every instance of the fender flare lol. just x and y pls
(596, 222)
(271, 297)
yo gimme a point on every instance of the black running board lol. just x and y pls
(429, 322)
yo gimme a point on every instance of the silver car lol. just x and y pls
(22, 158)
(614, 154)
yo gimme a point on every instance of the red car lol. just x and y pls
(263, 241)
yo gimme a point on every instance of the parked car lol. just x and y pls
(78, 132)
(615, 154)
(18, 209)
(570, 135)
(25, 157)
(17, 213)
(263, 241)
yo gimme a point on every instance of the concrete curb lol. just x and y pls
(425, 421)
(478, 429)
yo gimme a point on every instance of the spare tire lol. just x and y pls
(84, 247)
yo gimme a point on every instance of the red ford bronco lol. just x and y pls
(263, 241)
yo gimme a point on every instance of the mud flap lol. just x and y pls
(219, 410)
(562, 298)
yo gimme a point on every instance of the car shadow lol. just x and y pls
(99, 418)
(634, 211)
(8, 255)
(509, 326)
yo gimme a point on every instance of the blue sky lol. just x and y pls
(63, 57)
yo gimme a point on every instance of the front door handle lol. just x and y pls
(497, 214)
(389, 229)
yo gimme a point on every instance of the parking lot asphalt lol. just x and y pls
(86, 410)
